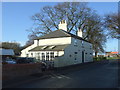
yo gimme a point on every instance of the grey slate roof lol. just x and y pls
(55, 34)
(56, 48)
(60, 33)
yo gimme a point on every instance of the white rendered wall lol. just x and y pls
(42, 42)
(69, 54)
(55, 41)
(25, 51)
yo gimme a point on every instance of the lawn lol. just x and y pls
(109, 58)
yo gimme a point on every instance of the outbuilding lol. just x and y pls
(6, 53)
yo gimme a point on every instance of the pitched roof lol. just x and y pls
(114, 52)
(48, 48)
(60, 33)
(55, 34)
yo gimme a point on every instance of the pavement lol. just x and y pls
(102, 74)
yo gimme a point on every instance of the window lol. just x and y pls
(51, 55)
(82, 43)
(90, 53)
(44, 47)
(32, 54)
(27, 55)
(70, 55)
(75, 57)
(90, 47)
(43, 56)
(75, 52)
(75, 42)
(37, 56)
(47, 56)
(51, 47)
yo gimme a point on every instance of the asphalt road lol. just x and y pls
(94, 75)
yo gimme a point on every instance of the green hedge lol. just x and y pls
(113, 58)
(99, 58)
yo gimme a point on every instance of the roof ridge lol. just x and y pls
(60, 33)
(65, 32)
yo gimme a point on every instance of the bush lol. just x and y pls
(99, 58)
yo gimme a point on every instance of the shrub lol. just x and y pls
(99, 58)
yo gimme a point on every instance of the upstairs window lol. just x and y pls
(75, 52)
(75, 42)
(82, 42)
(90, 47)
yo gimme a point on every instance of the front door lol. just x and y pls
(83, 57)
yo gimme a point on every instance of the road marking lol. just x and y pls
(65, 77)
(59, 76)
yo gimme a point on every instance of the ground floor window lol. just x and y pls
(27, 55)
(51, 55)
(37, 55)
(47, 56)
(32, 54)
(43, 56)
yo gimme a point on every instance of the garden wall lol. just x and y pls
(10, 71)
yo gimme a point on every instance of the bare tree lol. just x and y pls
(77, 14)
(111, 22)
(47, 20)
(94, 33)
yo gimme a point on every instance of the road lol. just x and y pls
(94, 75)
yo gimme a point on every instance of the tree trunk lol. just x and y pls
(96, 54)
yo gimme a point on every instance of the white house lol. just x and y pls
(61, 48)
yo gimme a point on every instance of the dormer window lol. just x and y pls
(44, 47)
(52, 47)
